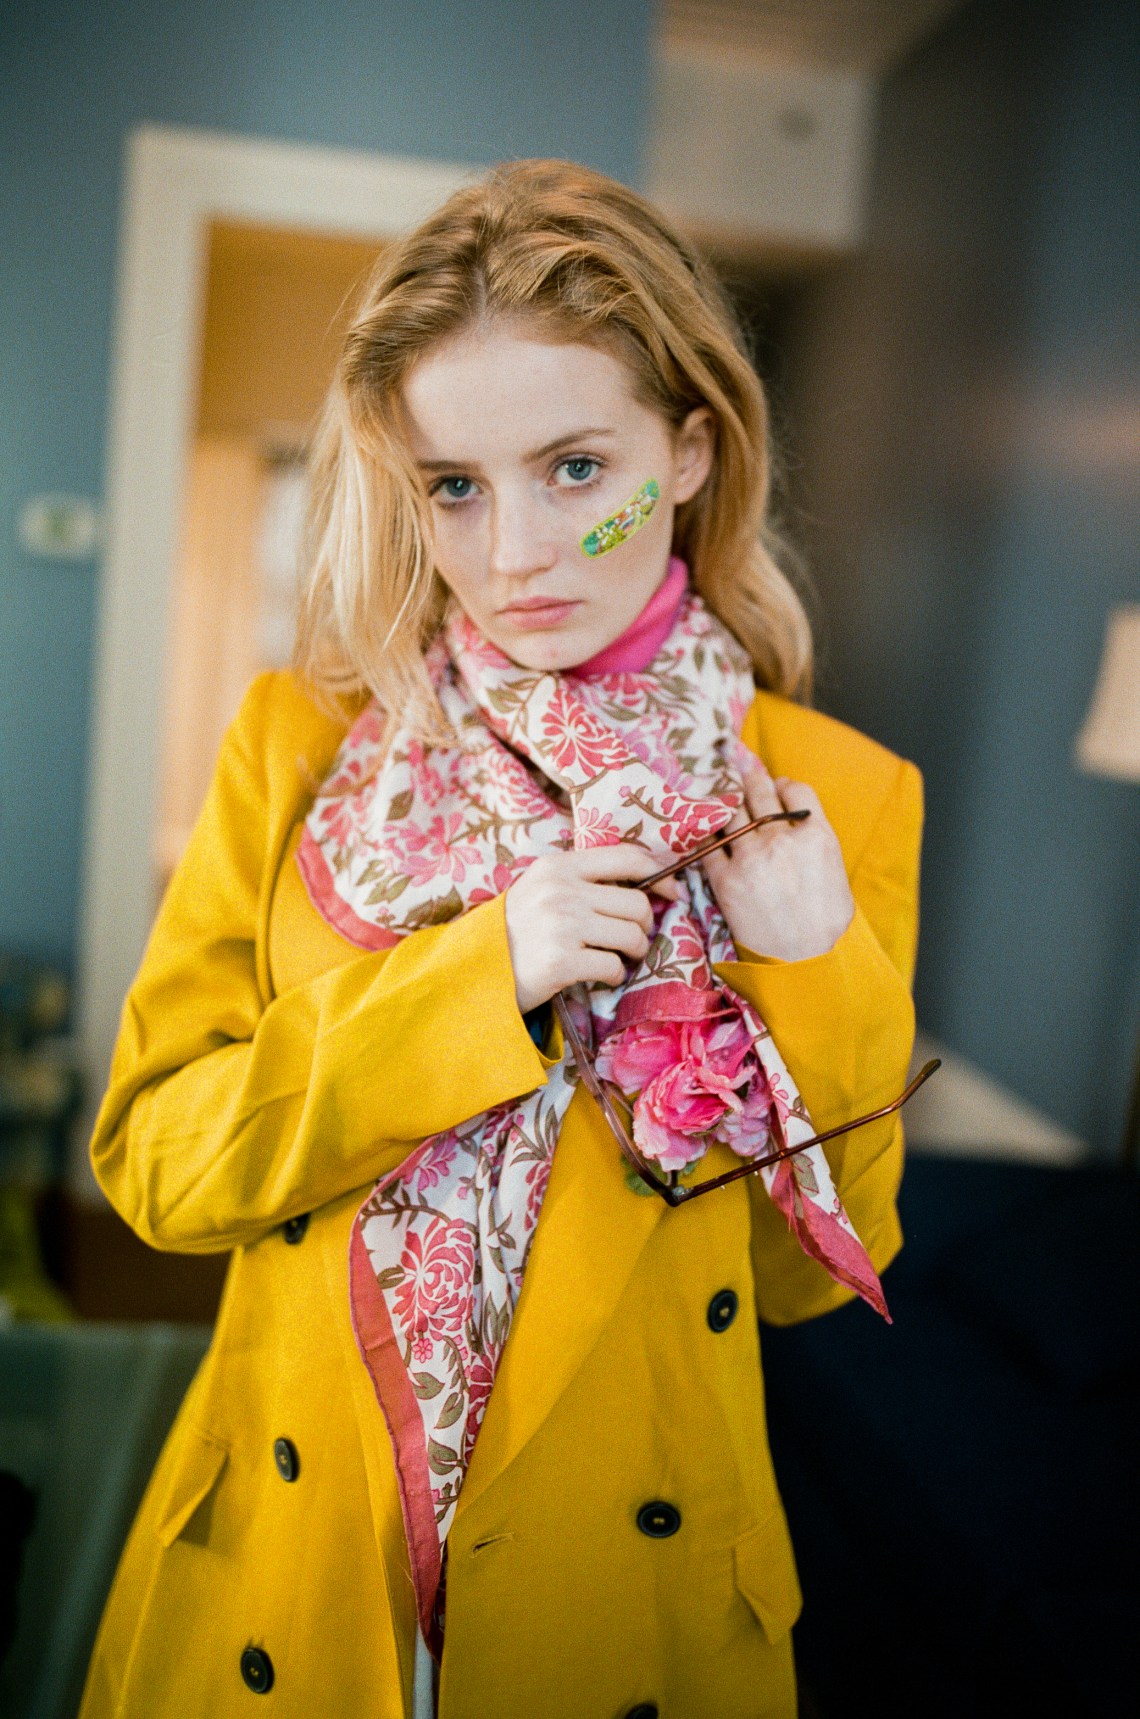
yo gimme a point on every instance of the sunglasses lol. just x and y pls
(614, 1106)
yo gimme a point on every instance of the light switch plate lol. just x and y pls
(60, 527)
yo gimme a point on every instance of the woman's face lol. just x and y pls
(525, 446)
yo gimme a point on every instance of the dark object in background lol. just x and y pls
(39, 1097)
(39, 1084)
(34, 1001)
(106, 1272)
(17, 1513)
(61, 1256)
(963, 1486)
(84, 1410)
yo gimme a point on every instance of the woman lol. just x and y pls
(476, 1392)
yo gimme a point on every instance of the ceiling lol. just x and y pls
(845, 35)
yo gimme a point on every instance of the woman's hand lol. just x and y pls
(783, 889)
(569, 922)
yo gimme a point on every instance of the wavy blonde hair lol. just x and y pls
(585, 259)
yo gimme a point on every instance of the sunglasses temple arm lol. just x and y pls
(601, 1098)
(720, 841)
(908, 1092)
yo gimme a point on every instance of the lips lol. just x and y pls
(540, 612)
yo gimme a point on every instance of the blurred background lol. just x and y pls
(928, 212)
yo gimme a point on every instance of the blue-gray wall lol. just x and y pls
(966, 406)
(436, 78)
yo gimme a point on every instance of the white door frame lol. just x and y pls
(177, 182)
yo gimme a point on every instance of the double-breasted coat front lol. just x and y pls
(267, 1072)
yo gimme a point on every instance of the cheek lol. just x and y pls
(460, 557)
(635, 564)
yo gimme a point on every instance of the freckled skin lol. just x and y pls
(509, 528)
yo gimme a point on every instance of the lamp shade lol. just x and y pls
(1109, 742)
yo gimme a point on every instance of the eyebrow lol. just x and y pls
(588, 434)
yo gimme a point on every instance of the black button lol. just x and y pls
(286, 1458)
(658, 1520)
(722, 1309)
(643, 1710)
(257, 1669)
(295, 1229)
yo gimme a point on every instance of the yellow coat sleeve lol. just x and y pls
(230, 1109)
(844, 1023)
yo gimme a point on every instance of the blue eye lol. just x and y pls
(580, 469)
(454, 488)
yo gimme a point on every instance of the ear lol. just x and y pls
(693, 447)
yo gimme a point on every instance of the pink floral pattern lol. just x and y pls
(688, 1078)
(575, 740)
(415, 836)
(432, 1298)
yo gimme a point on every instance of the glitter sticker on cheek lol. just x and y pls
(624, 522)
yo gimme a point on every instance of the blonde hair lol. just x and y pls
(588, 260)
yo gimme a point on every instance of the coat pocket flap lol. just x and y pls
(766, 1575)
(202, 1459)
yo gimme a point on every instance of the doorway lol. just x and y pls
(277, 301)
(190, 199)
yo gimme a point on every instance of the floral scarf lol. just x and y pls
(416, 836)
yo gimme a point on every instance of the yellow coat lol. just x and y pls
(266, 1071)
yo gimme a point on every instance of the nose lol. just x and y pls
(520, 540)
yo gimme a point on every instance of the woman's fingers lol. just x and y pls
(569, 920)
(620, 862)
(628, 904)
(624, 935)
(798, 796)
(761, 799)
(764, 795)
(596, 967)
(761, 794)
(784, 889)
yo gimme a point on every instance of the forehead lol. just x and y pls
(498, 384)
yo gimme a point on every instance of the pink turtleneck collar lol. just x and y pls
(636, 648)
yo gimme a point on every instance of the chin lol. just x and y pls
(549, 652)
